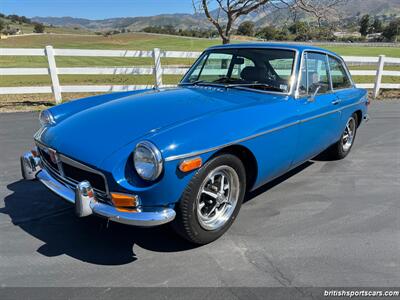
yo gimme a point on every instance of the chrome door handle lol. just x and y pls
(336, 102)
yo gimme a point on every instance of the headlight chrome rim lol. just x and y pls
(46, 118)
(157, 159)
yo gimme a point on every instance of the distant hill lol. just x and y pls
(180, 21)
(352, 9)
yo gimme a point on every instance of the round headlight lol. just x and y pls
(148, 161)
(46, 118)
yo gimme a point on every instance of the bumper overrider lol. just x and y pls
(84, 200)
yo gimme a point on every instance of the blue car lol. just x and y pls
(241, 116)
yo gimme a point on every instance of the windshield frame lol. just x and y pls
(292, 80)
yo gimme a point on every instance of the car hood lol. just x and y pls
(95, 133)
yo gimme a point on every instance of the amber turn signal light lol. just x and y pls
(190, 164)
(123, 200)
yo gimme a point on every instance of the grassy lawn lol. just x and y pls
(43, 80)
(364, 51)
(78, 61)
(132, 41)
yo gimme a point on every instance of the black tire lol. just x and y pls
(338, 151)
(187, 223)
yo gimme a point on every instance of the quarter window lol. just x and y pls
(340, 79)
(314, 74)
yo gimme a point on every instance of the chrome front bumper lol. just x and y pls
(85, 203)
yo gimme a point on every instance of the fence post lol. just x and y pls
(378, 78)
(53, 74)
(157, 68)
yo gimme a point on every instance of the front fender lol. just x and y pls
(165, 191)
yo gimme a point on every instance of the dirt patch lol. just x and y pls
(34, 102)
(387, 94)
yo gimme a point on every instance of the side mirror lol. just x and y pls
(312, 97)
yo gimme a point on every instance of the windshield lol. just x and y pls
(265, 69)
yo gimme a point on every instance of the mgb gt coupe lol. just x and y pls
(241, 116)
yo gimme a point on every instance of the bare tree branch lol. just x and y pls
(320, 10)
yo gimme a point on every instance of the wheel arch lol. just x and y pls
(359, 117)
(248, 159)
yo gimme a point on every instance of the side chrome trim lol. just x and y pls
(196, 153)
(175, 157)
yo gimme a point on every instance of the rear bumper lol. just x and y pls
(144, 216)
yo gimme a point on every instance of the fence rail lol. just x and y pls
(156, 70)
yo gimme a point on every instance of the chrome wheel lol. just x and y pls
(217, 198)
(348, 135)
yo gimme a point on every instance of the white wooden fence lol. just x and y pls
(156, 70)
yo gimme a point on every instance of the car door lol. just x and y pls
(343, 87)
(317, 107)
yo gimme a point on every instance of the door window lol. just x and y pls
(314, 74)
(340, 79)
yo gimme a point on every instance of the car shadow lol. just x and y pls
(46, 217)
(264, 188)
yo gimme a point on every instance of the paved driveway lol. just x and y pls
(328, 223)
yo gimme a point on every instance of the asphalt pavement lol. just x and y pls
(327, 223)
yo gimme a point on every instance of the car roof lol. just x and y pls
(298, 47)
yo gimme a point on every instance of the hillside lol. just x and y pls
(351, 9)
(27, 27)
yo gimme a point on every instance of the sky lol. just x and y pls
(94, 9)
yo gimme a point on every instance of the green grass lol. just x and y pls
(132, 41)
(370, 79)
(364, 51)
(43, 80)
(77, 61)
(373, 67)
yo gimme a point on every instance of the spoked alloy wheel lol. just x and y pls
(217, 197)
(341, 148)
(349, 134)
(211, 201)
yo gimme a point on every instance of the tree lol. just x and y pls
(392, 30)
(38, 28)
(246, 28)
(326, 10)
(377, 26)
(227, 12)
(2, 25)
(364, 25)
(299, 28)
(267, 33)
(232, 9)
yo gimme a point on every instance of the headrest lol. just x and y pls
(254, 74)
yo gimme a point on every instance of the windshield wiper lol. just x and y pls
(255, 85)
(202, 82)
(263, 86)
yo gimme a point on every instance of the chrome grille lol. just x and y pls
(70, 175)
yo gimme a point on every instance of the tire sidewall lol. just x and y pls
(342, 152)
